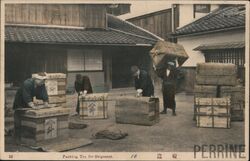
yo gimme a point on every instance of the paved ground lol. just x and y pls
(171, 134)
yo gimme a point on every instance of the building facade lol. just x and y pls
(219, 36)
(73, 39)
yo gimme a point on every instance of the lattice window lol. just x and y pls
(84, 60)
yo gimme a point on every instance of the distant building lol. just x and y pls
(72, 39)
(219, 36)
(161, 23)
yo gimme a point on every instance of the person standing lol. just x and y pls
(82, 87)
(143, 82)
(169, 88)
(32, 87)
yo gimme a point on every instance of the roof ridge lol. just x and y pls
(46, 26)
(132, 34)
(129, 23)
(201, 18)
(212, 22)
(234, 42)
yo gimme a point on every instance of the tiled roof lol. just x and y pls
(119, 36)
(227, 45)
(119, 24)
(223, 18)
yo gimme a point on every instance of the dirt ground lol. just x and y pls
(172, 133)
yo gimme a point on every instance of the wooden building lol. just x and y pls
(72, 39)
(219, 36)
(162, 23)
(208, 32)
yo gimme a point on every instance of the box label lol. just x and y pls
(50, 128)
(52, 87)
(92, 108)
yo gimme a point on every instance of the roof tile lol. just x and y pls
(124, 33)
(222, 18)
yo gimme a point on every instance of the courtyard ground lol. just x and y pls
(172, 134)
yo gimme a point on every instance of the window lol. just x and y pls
(85, 60)
(235, 56)
(201, 8)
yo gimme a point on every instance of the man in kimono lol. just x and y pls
(82, 86)
(143, 82)
(32, 87)
(169, 88)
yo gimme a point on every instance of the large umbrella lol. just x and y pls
(164, 52)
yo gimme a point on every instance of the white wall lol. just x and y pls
(191, 42)
(186, 13)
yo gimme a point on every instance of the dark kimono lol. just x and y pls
(144, 82)
(169, 89)
(23, 96)
(26, 93)
(81, 86)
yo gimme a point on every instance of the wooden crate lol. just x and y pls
(94, 106)
(39, 125)
(56, 89)
(138, 111)
(237, 95)
(205, 91)
(216, 74)
(213, 112)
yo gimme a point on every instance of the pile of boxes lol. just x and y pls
(218, 81)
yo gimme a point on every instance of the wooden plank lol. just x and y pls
(41, 127)
(57, 99)
(205, 91)
(216, 69)
(41, 137)
(46, 112)
(213, 101)
(213, 121)
(230, 80)
(40, 120)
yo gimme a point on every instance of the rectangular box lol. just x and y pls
(56, 89)
(216, 74)
(137, 110)
(213, 112)
(205, 91)
(94, 106)
(213, 121)
(237, 95)
(38, 125)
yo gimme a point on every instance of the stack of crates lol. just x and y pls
(43, 124)
(218, 80)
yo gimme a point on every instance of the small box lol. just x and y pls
(56, 89)
(94, 106)
(213, 112)
(38, 125)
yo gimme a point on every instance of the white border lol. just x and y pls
(115, 155)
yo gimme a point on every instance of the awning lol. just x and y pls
(227, 45)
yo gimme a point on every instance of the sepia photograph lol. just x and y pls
(124, 80)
